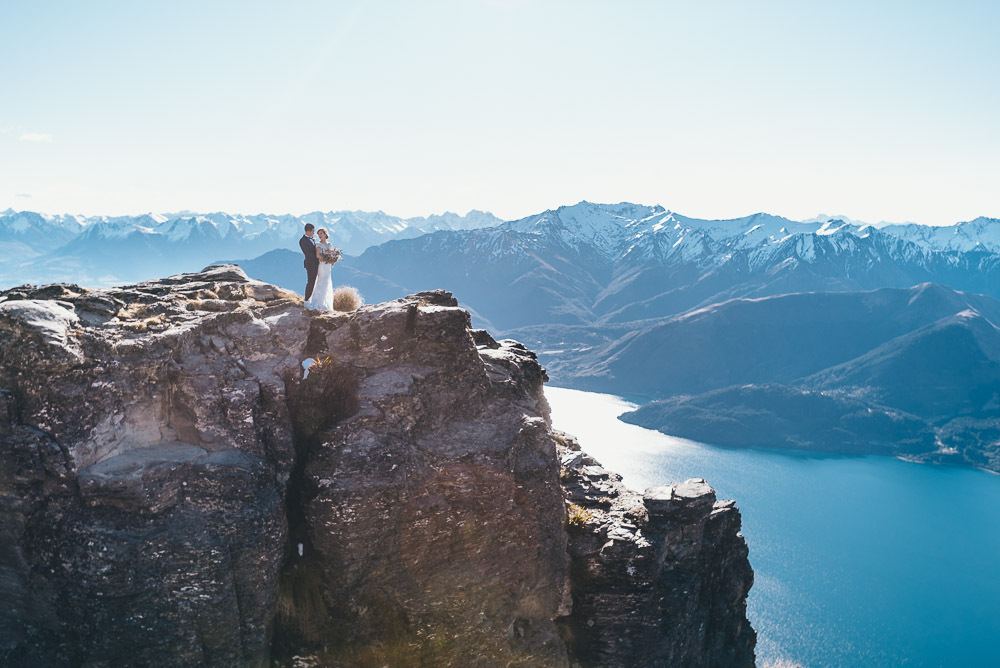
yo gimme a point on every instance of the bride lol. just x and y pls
(322, 296)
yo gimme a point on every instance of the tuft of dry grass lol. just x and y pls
(300, 605)
(565, 442)
(347, 298)
(577, 516)
(132, 311)
(144, 325)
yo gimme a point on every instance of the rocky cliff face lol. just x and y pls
(199, 471)
(658, 579)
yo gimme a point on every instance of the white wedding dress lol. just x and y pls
(322, 296)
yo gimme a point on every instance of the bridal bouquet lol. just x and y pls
(331, 256)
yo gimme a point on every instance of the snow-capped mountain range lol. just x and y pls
(623, 228)
(615, 244)
(598, 264)
(102, 250)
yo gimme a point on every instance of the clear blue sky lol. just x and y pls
(876, 110)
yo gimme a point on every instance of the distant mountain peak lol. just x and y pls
(824, 218)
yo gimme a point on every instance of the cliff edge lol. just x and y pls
(200, 471)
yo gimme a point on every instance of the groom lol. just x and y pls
(311, 262)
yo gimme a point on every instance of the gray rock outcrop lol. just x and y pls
(659, 578)
(200, 471)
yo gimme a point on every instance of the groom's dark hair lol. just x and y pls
(310, 227)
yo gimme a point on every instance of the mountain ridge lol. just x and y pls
(592, 265)
(102, 250)
(625, 234)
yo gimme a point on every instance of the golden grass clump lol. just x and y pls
(132, 311)
(577, 516)
(290, 296)
(136, 318)
(142, 326)
(347, 298)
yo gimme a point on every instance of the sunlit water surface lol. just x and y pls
(858, 561)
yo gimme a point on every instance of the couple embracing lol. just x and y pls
(320, 257)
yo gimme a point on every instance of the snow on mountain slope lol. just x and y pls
(627, 235)
(475, 219)
(352, 225)
(40, 248)
(605, 227)
(981, 234)
(26, 234)
(824, 218)
(24, 223)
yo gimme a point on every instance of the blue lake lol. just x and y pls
(858, 561)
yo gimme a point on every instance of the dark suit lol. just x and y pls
(311, 263)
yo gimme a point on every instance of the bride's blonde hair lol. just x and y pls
(323, 231)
